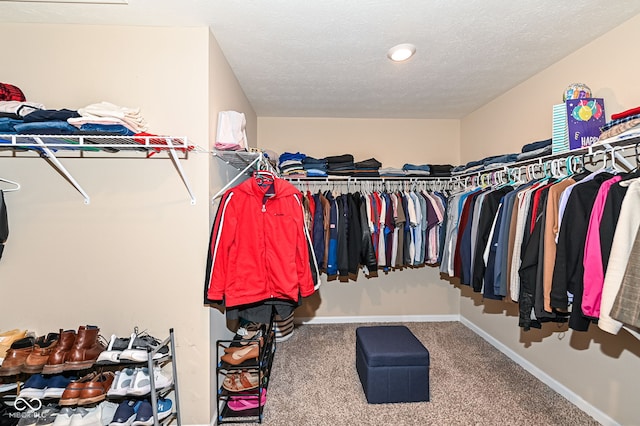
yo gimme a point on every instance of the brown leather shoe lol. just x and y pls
(55, 363)
(16, 355)
(85, 350)
(8, 337)
(96, 389)
(72, 392)
(40, 355)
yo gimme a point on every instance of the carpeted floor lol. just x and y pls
(314, 382)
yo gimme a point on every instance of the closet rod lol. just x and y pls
(579, 152)
(328, 179)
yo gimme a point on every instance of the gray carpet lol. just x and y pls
(314, 382)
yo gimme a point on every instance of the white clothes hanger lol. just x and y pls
(16, 185)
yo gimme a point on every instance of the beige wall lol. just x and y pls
(225, 94)
(135, 255)
(604, 370)
(393, 142)
(522, 115)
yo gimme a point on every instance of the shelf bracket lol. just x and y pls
(183, 176)
(50, 156)
(238, 176)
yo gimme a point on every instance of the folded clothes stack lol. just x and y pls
(106, 113)
(621, 122)
(342, 165)
(315, 167)
(535, 150)
(19, 116)
(440, 170)
(417, 169)
(392, 172)
(290, 164)
(367, 168)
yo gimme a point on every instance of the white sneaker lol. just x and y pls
(108, 410)
(64, 417)
(78, 417)
(111, 355)
(122, 382)
(142, 383)
(139, 346)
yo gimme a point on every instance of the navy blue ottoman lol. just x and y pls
(392, 364)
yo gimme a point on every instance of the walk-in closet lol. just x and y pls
(151, 241)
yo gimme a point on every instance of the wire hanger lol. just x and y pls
(16, 185)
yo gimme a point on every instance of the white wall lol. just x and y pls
(135, 256)
(602, 369)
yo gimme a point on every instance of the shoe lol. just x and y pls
(96, 389)
(28, 418)
(142, 383)
(139, 346)
(122, 382)
(6, 387)
(8, 337)
(144, 415)
(47, 415)
(241, 355)
(9, 416)
(86, 349)
(95, 416)
(239, 381)
(232, 349)
(16, 356)
(112, 354)
(34, 387)
(55, 363)
(64, 416)
(164, 408)
(42, 349)
(249, 334)
(126, 413)
(107, 411)
(56, 385)
(71, 394)
(79, 417)
(247, 402)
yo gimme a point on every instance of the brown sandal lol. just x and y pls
(238, 382)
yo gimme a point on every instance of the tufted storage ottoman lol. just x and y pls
(392, 364)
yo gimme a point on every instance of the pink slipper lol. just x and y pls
(238, 403)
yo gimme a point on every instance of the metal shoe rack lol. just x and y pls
(261, 366)
(9, 395)
(169, 343)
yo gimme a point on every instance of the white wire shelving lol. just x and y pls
(52, 147)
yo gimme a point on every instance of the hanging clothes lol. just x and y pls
(4, 223)
(374, 230)
(568, 271)
(260, 246)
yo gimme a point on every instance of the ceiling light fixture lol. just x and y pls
(401, 52)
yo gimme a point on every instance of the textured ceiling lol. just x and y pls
(327, 58)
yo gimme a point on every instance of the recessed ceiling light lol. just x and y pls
(401, 52)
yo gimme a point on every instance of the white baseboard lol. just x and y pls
(571, 396)
(376, 318)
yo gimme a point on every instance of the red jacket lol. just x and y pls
(260, 248)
